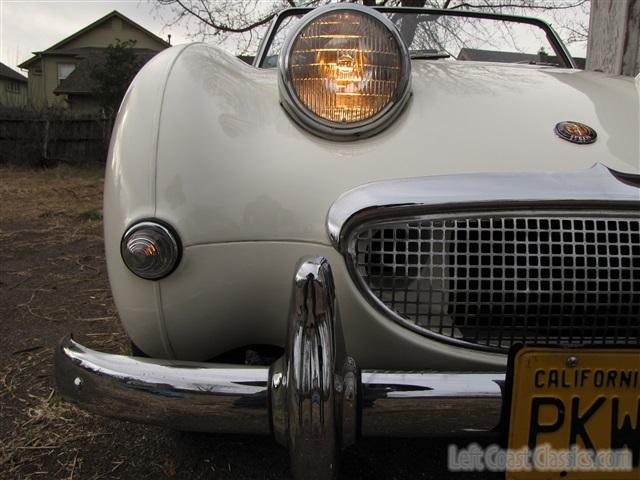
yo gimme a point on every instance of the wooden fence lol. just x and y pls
(52, 137)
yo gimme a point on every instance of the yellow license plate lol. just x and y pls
(567, 405)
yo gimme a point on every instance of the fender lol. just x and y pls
(202, 143)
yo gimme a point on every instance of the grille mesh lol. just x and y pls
(495, 280)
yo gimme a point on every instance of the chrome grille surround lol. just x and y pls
(488, 279)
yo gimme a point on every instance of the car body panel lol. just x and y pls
(129, 195)
(203, 144)
(251, 300)
(232, 166)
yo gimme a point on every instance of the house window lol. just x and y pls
(13, 86)
(64, 70)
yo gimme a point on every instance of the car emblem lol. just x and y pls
(575, 132)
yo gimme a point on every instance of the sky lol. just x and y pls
(28, 26)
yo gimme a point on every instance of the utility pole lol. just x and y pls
(614, 37)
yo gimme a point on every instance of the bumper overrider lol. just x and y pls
(314, 399)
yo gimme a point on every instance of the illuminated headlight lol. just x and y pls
(344, 72)
(150, 250)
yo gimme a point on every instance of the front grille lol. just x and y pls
(492, 280)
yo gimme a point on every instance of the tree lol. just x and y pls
(114, 73)
(239, 25)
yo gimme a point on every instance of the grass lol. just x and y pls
(59, 192)
(90, 214)
(52, 281)
(92, 171)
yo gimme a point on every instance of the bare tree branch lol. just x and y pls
(530, 5)
(239, 25)
(210, 20)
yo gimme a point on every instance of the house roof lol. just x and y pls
(114, 14)
(495, 56)
(8, 72)
(80, 81)
(509, 57)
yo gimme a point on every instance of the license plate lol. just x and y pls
(573, 400)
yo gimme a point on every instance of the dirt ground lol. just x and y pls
(53, 281)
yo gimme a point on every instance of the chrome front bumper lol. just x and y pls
(314, 399)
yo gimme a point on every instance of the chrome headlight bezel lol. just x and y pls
(167, 233)
(335, 130)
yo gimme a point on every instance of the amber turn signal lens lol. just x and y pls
(345, 66)
(150, 250)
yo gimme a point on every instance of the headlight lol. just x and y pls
(150, 250)
(344, 71)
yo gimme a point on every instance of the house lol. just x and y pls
(510, 57)
(60, 76)
(77, 89)
(13, 87)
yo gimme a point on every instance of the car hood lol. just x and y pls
(232, 165)
(515, 108)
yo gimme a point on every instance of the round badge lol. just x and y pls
(576, 132)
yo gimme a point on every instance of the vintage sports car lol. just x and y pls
(410, 221)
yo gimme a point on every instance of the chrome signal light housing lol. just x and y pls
(151, 249)
(344, 72)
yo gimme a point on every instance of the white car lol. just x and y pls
(459, 221)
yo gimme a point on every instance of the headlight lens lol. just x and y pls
(150, 250)
(346, 66)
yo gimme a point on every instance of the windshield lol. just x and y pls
(457, 36)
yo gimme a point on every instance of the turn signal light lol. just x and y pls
(150, 250)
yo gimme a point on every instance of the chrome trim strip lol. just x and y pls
(314, 385)
(310, 398)
(165, 230)
(558, 46)
(231, 399)
(333, 130)
(183, 395)
(402, 404)
(265, 43)
(561, 49)
(475, 190)
(384, 309)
